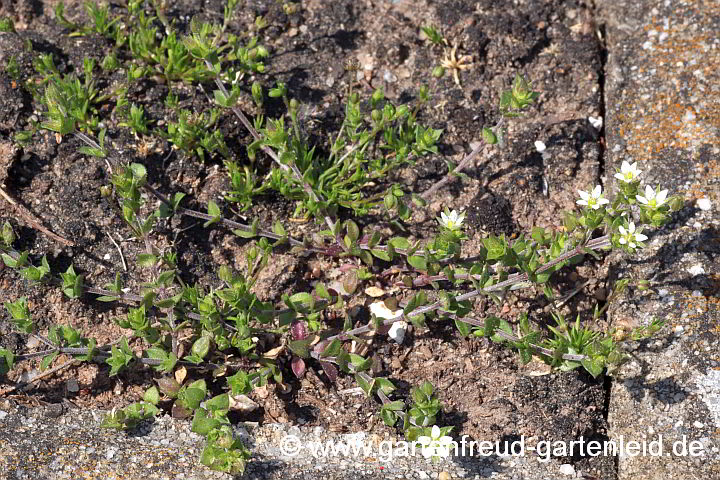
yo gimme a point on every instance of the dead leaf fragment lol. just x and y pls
(374, 292)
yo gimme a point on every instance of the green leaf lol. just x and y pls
(322, 292)
(91, 350)
(417, 262)
(138, 171)
(9, 261)
(374, 240)
(381, 254)
(300, 347)
(47, 360)
(463, 327)
(240, 383)
(120, 357)
(72, 283)
(6, 361)
(594, 366)
(401, 243)
(244, 233)
(502, 325)
(489, 136)
(495, 247)
(491, 324)
(279, 230)
(220, 98)
(168, 359)
(333, 349)
(353, 232)
(366, 258)
(218, 403)
(20, 315)
(177, 199)
(203, 422)
(145, 260)
(194, 394)
(360, 363)
(388, 417)
(538, 234)
(364, 384)
(385, 385)
(152, 395)
(201, 347)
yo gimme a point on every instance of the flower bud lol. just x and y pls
(438, 72)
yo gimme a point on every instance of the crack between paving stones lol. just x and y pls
(602, 165)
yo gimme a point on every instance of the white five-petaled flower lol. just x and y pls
(652, 198)
(451, 220)
(628, 172)
(593, 199)
(629, 236)
(436, 445)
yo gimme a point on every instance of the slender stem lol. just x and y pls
(464, 163)
(512, 338)
(517, 278)
(460, 167)
(292, 167)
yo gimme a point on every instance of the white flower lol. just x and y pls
(596, 122)
(630, 236)
(436, 445)
(592, 199)
(398, 329)
(451, 220)
(628, 172)
(652, 198)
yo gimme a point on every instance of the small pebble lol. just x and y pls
(397, 331)
(696, 270)
(72, 385)
(389, 77)
(567, 469)
(704, 204)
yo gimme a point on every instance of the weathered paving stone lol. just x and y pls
(663, 111)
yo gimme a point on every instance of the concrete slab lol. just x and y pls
(663, 111)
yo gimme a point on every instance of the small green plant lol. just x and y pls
(101, 23)
(194, 134)
(433, 35)
(6, 25)
(12, 69)
(450, 60)
(136, 120)
(69, 101)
